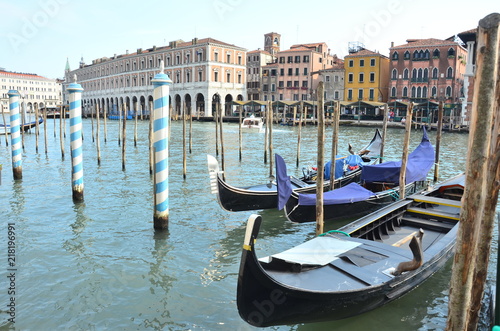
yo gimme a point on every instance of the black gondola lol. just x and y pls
(362, 266)
(378, 186)
(265, 196)
(25, 127)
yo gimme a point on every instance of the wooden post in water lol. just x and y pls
(223, 162)
(321, 162)
(37, 128)
(438, 140)
(98, 142)
(240, 132)
(335, 142)
(62, 130)
(190, 129)
(266, 134)
(161, 83)
(404, 159)
(384, 132)
(46, 108)
(21, 123)
(105, 118)
(5, 127)
(301, 113)
(15, 139)
(271, 165)
(124, 136)
(136, 118)
(75, 122)
(216, 128)
(120, 106)
(481, 184)
(184, 165)
(92, 109)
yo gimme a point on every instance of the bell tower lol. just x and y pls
(272, 42)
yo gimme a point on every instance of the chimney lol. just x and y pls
(139, 51)
(154, 48)
(392, 44)
(195, 41)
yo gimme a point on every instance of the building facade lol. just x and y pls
(366, 76)
(333, 80)
(204, 72)
(35, 91)
(256, 60)
(427, 70)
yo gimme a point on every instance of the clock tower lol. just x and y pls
(272, 42)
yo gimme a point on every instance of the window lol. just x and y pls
(424, 92)
(419, 92)
(281, 84)
(289, 83)
(349, 94)
(178, 59)
(361, 62)
(336, 94)
(228, 78)
(290, 59)
(350, 77)
(304, 83)
(394, 74)
(448, 91)
(351, 63)
(239, 59)
(360, 94)
(372, 62)
(435, 54)
(327, 78)
(426, 74)
(405, 92)
(295, 97)
(305, 71)
(451, 52)
(290, 71)
(393, 92)
(372, 94)
(295, 83)
(413, 92)
(426, 54)
(372, 77)
(406, 72)
(296, 71)
(273, 87)
(228, 57)
(449, 72)
(434, 92)
(200, 76)
(216, 76)
(407, 55)
(282, 72)
(297, 59)
(361, 77)
(188, 77)
(414, 75)
(282, 59)
(435, 73)
(305, 59)
(395, 56)
(216, 57)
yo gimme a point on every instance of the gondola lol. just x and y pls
(25, 127)
(357, 268)
(378, 186)
(265, 196)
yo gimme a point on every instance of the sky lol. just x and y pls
(38, 36)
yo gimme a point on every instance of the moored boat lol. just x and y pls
(252, 123)
(25, 127)
(357, 268)
(265, 195)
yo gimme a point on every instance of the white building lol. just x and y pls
(34, 90)
(203, 72)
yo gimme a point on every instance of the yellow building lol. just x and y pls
(366, 76)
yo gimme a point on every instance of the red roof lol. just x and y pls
(21, 75)
(425, 43)
(364, 52)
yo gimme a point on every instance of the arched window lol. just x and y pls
(393, 92)
(394, 74)
(414, 75)
(407, 55)
(424, 92)
(435, 53)
(395, 56)
(449, 72)
(451, 52)
(419, 75)
(421, 54)
(448, 91)
(435, 73)
(413, 90)
(426, 74)
(427, 54)
(434, 92)
(419, 92)
(405, 91)
(406, 72)
(415, 55)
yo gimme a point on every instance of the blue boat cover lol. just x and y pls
(351, 160)
(283, 183)
(347, 194)
(419, 163)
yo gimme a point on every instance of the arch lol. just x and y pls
(239, 97)
(436, 53)
(435, 73)
(393, 91)
(142, 104)
(405, 91)
(449, 72)
(413, 92)
(424, 92)
(394, 74)
(426, 74)
(228, 102)
(427, 54)
(200, 104)
(407, 55)
(215, 102)
(451, 51)
(420, 74)
(414, 74)
(177, 105)
(406, 72)
(187, 101)
(415, 54)
(434, 92)
(419, 92)
(448, 92)
(395, 55)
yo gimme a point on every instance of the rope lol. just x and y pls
(334, 231)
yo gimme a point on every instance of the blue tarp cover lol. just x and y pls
(351, 160)
(420, 161)
(347, 194)
(282, 181)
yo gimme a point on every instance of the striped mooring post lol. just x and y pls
(161, 83)
(15, 135)
(75, 122)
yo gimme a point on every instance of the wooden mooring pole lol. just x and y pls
(240, 132)
(37, 128)
(482, 184)
(5, 127)
(161, 83)
(301, 113)
(124, 136)
(15, 139)
(271, 165)
(384, 133)
(266, 134)
(404, 159)
(438, 140)
(223, 162)
(335, 142)
(62, 131)
(75, 122)
(97, 136)
(184, 163)
(320, 172)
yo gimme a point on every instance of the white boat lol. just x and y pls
(252, 122)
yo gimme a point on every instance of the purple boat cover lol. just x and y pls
(283, 182)
(347, 194)
(420, 161)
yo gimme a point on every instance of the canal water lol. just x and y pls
(100, 265)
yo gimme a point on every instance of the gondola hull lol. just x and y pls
(361, 272)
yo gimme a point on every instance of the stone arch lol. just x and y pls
(215, 102)
(187, 100)
(228, 102)
(200, 104)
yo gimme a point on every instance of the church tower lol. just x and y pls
(272, 42)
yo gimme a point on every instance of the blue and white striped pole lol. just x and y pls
(15, 135)
(75, 121)
(161, 83)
